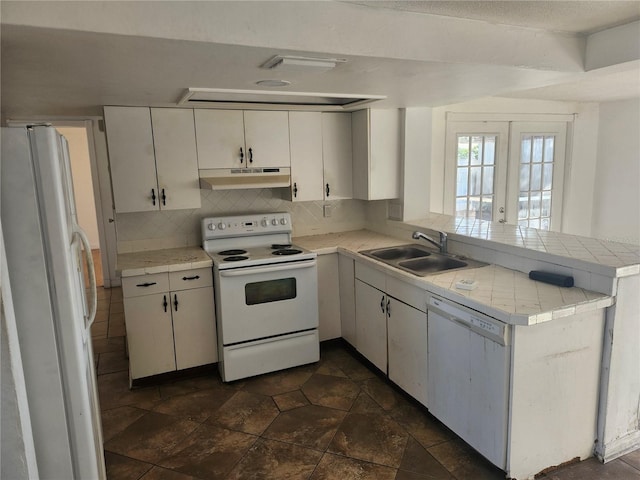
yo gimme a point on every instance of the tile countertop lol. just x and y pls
(159, 261)
(613, 259)
(507, 295)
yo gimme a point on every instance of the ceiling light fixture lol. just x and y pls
(292, 63)
(273, 83)
(274, 100)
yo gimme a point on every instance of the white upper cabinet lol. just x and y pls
(305, 138)
(132, 159)
(266, 136)
(153, 165)
(237, 139)
(376, 154)
(174, 140)
(220, 138)
(336, 155)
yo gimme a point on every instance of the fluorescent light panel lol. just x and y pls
(292, 63)
(225, 98)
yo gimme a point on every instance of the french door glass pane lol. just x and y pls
(489, 150)
(462, 182)
(475, 176)
(536, 177)
(548, 149)
(536, 180)
(537, 150)
(463, 151)
(547, 177)
(476, 150)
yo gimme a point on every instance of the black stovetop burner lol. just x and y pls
(286, 251)
(236, 258)
(280, 246)
(235, 251)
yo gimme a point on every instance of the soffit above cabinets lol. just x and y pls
(274, 100)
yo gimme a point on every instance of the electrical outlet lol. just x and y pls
(326, 211)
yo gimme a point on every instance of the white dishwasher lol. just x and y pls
(468, 375)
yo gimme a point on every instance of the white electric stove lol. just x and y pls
(266, 293)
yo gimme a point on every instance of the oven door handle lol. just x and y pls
(271, 268)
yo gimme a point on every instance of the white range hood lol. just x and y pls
(241, 178)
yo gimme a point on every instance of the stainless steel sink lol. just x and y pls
(430, 264)
(419, 260)
(403, 252)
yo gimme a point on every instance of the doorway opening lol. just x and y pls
(84, 193)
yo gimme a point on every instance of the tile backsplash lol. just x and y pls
(177, 228)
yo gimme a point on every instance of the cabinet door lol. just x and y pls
(371, 324)
(305, 138)
(328, 295)
(220, 138)
(376, 154)
(174, 139)
(347, 299)
(336, 155)
(131, 159)
(149, 335)
(194, 327)
(407, 344)
(267, 138)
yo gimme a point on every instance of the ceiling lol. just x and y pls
(70, 58)
(577, 16)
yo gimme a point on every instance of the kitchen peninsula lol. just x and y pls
(546, 322)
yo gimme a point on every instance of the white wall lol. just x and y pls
(616, 196)
(82, 184)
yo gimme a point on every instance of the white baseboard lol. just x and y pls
(618, 447)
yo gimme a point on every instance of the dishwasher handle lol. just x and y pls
(488, 327)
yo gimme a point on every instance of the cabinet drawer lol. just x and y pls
(407, 293)
(145, 285)
(370, 275)
(184, 279)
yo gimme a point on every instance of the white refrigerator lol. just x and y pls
(53, 311)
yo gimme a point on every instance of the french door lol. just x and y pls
(509, 172)
(536, 174)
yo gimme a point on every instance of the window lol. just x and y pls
(506, 171)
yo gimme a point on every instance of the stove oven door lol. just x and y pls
(265, 301)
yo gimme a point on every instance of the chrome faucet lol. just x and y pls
(442, 245)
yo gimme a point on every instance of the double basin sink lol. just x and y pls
(419, 260)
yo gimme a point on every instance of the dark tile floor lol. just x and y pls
(336, 419)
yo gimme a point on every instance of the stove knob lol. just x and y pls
(264, 222)
(211, 226)
(222, 226)
(283, 221)
(274, 222)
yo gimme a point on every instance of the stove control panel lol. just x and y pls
(246, 225)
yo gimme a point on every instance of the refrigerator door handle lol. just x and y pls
(92, 273)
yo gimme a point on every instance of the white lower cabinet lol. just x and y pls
(170, 321)
(407, 347)
(347, 299)
(194, 328)
(328, 294)
(371, 324)
(391, 328)
(149, 335)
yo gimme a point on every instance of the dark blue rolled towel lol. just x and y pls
(552, 278)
